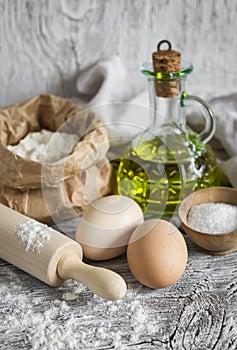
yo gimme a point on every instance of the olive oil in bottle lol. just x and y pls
(160, 172)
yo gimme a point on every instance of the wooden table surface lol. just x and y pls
(198, 312)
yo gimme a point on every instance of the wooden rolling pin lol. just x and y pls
(51, 256)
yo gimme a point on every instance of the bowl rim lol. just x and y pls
(189, 198)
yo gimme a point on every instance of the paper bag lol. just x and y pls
(50, 192)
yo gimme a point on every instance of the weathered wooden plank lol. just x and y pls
(45, 44)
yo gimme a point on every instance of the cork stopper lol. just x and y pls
(166, 61)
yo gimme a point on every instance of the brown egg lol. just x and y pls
(157, 253)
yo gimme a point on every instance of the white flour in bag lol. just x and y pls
(36, 146)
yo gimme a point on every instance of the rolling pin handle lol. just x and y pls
(102, 282)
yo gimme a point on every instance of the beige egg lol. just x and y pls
(106, 226)
(157, 253)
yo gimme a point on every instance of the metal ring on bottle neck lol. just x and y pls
(164, 42)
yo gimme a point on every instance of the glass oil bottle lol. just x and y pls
(168, 160)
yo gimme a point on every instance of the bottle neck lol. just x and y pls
(167, 110)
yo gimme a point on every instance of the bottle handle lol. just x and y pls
(210, 118)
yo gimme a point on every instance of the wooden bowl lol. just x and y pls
(211, 243)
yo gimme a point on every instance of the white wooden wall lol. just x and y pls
(44, 44)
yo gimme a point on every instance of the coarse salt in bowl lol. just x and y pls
(209, 217)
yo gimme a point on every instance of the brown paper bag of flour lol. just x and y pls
(51, 192)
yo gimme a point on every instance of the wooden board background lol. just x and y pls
(44, 44)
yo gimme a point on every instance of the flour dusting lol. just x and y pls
(54, 324)
(33, 235)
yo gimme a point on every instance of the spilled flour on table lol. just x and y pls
(33, 235)
(73, 294)
(55, 324)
